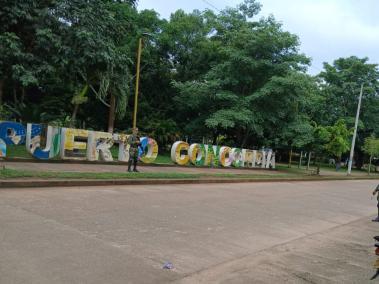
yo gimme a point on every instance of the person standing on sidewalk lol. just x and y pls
(134, 142)
(376, 191)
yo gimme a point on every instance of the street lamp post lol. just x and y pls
(355, 132)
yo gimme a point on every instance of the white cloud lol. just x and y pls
(328, 29)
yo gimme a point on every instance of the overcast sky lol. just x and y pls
(328, 29)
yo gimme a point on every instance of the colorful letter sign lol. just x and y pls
(99, 146)
(210, 155)
(73, 144)
(12, 133)
(33, 141)
(3, 149)
(177, 154)
(79, 144)
(148, 150)
(225, 156)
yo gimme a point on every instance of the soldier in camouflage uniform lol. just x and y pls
(134, 142)
(376, 191)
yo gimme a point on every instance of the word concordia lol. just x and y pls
(79, 144)
(209, 155)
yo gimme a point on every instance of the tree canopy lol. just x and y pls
(230, 75)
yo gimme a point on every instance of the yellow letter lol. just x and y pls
(176, 153)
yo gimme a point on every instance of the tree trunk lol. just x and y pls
(15, 96)
(316, 163)
(245, 138)
(22, 95)
(338, 164)
(358, 155)
(215, 136)
(1, 90)
(314, 159)
(239, 137)
(112, 111)
(290, 159)
(73, 117)
(369, 165)
(309, 160)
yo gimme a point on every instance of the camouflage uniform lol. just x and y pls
(376, 191)
(134, 142)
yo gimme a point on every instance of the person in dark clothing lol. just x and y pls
(376, 191)
(134, 142)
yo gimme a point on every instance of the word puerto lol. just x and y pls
(73, 144)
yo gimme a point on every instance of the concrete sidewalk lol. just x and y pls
(103, 168)
(343, 254)
(306, 232)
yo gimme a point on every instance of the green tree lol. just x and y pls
(94, 35)
(371, 148)
(21, 23)
(336, 138)
(254, 85)
(51, 49)
(11, 55)
(340, 87)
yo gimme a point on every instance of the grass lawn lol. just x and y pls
(19, 151)
(12, 173)
(8, 173)
(164, 159)
(325, 170)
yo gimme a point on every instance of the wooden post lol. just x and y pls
(301, 157)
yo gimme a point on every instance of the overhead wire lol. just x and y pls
(211, 5)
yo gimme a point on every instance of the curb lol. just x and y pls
(116, 163)
(70, 183)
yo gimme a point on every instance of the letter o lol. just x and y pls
(196, 154)
(149, 155)
(225, 162)
(237, 157)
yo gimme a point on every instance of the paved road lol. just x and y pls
(305, 232)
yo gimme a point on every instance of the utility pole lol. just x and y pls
(355, 132)
(137, 82)
(139, 52)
